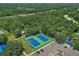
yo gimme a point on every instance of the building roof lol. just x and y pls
(69, 41)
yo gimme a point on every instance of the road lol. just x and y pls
(1, 32)
(18, 15)
(22, 15)
(70, 19)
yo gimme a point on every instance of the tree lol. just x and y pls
(14, 48)
(76, 47)
(17, 33)
(60, 38)
(3, 39)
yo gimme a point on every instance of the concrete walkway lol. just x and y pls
(24, 53)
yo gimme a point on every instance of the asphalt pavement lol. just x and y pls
(52, 49)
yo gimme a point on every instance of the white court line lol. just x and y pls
(41, 48)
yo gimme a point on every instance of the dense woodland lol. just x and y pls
(47, 19)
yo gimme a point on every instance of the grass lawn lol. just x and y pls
(27, 47)
(10, 36)
(76, 35)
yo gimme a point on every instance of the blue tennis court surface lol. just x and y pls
(33, 42)
(43, 38)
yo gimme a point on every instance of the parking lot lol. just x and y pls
(52, 49)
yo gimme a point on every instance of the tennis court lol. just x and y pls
(42, 37)
(33, 42)
(38, 40)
